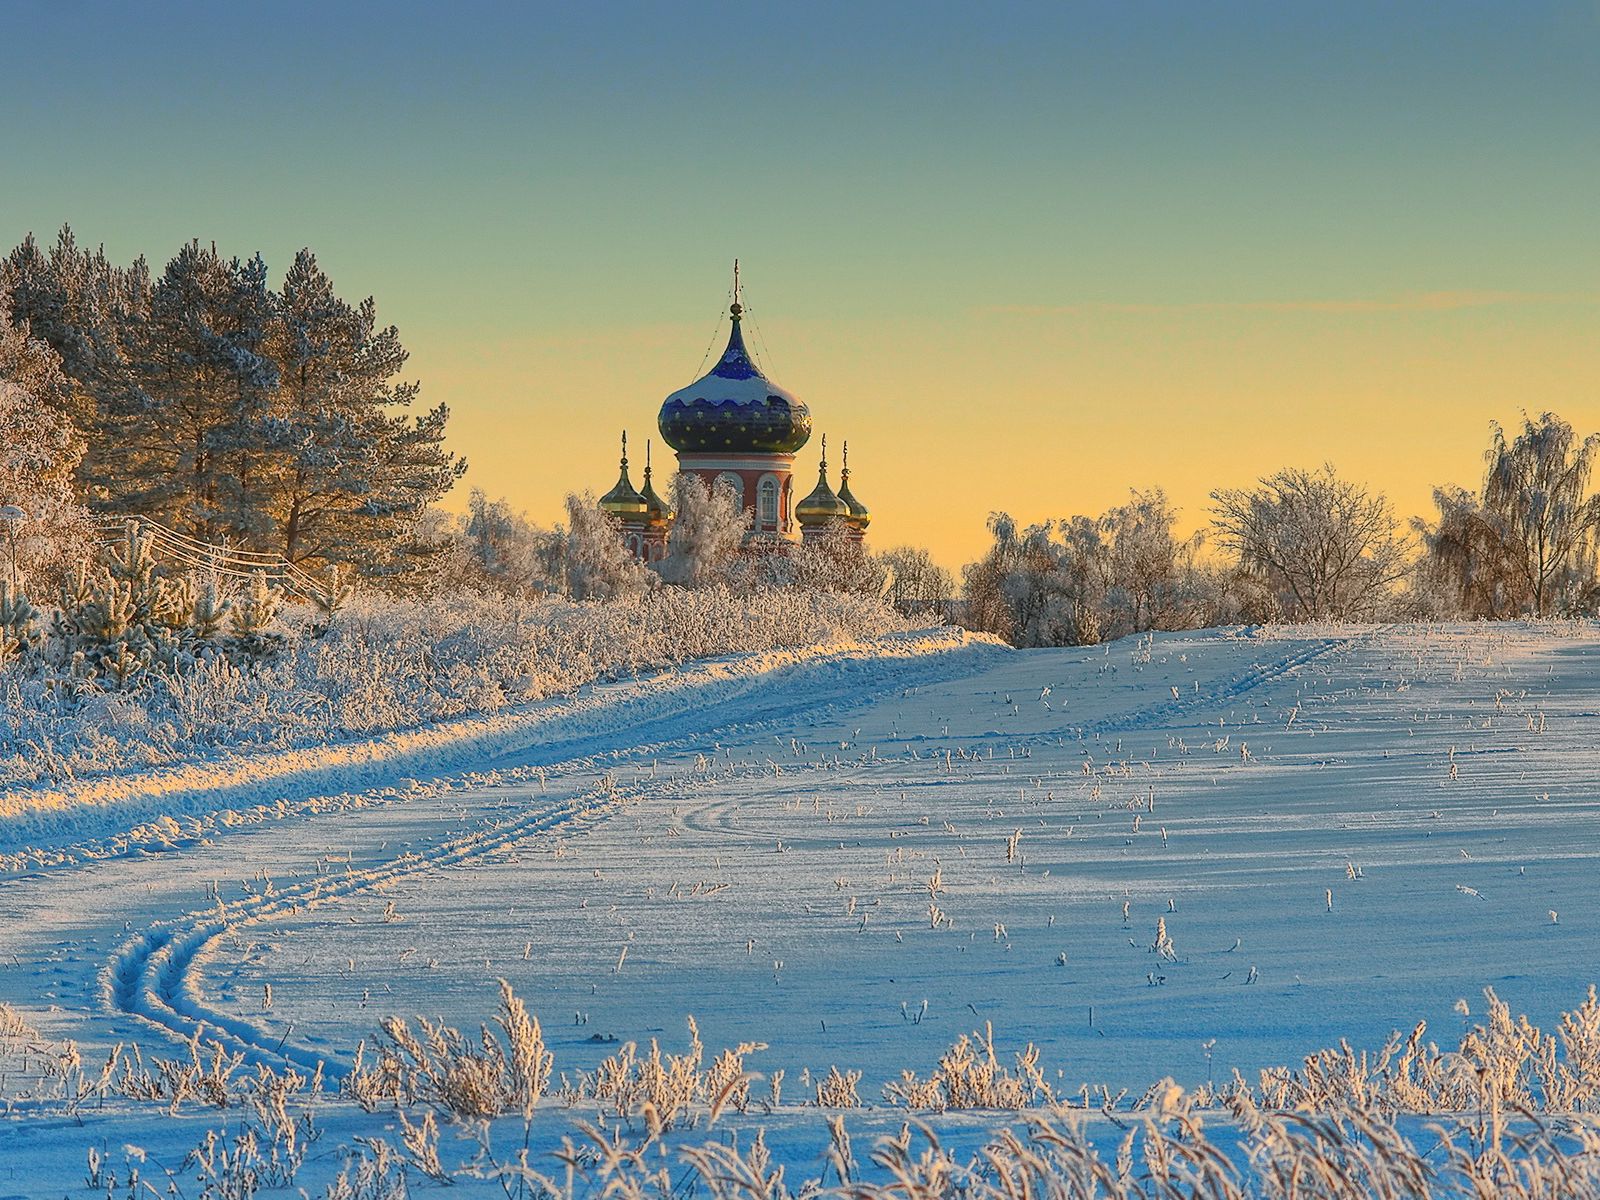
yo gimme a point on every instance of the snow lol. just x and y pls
(854, 855)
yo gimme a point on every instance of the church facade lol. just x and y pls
(735, 427)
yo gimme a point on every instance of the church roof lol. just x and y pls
(623, 501)
(734, 408)
(822, 505)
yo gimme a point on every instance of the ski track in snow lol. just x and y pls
(172, 808)
(1225, 689)
(155, 976)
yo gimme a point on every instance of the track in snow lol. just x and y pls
(155, 976)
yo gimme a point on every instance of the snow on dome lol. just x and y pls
(735, 409)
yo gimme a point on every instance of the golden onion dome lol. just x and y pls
(622, 501)
(860, 517)
(822, 505)
(657, 510)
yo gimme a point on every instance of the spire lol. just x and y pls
(821, 506)
(736, 308)
(656, 508)
(860, 517)
(623, 501)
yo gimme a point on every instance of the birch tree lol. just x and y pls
(1534, 497)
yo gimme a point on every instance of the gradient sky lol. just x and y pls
(1024, 257)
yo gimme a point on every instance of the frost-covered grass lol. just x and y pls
(1504, 1114)
(1078, 919)
(394, 664)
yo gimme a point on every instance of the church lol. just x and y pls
(735, 426)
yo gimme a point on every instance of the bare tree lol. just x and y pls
(1327, 545)
(1534, 497)
(598, 565)
(917, 584)
(707, 532)
(1148, 569)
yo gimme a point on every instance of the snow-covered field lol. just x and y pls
(851, 856)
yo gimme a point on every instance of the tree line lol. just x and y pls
(1308, 545)
(272, 419)
(277, 419)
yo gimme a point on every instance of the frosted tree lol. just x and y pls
(274, 420)
(39, 450)
(707, 532)
(21, 624)
(79, 304)
(351, 473)
(504, 549)
(836, 562)
(598, 566)
(1149, 571)
(252, 617)
(1041, 586)
(1467, 567)
(1330, 548)
(1535, 500)
(194, 449)
(918, 586)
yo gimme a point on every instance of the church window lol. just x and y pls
(768, 509)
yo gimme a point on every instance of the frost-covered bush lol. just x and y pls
(387, 662)
(39, 450)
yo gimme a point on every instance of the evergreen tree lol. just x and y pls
(200, 389)
(352, 477)
(272, 420)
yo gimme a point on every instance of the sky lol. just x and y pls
(1024, 257)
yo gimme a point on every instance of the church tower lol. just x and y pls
(735, 425)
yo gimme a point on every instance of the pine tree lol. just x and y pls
(272, 420)
(253, 614)
(21, 624)
(201, 387)
(354, 477)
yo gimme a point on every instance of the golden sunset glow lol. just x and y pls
(1023, 259)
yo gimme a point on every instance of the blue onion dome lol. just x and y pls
(859, 516)
(735, 409)
(623, 501)
(657, 510)
(821, 506)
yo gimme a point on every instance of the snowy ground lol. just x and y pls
(853, 857)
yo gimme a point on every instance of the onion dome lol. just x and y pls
(821, 506)
(657, 510)
(859, 516)
(622, 501)
(735, 409)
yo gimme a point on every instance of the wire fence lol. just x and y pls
(228, 562)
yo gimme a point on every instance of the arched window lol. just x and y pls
(733, 481)
(767, 505)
